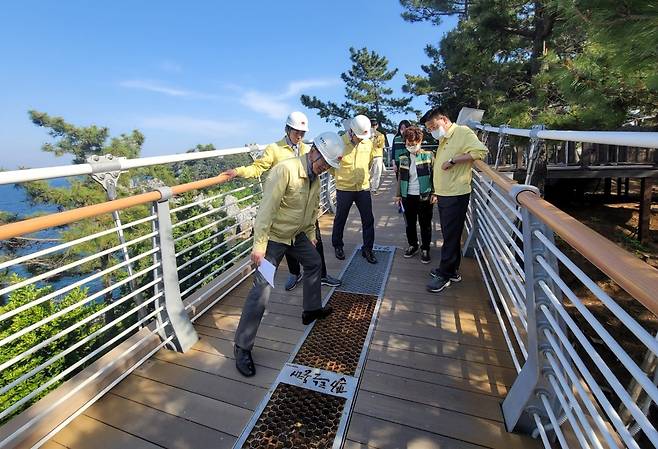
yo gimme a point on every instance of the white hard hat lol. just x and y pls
(360, 126)
(331, 147)
(297, 120)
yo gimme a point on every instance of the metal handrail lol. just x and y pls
(560, 367)
(639, 279)
(624, 138)
(36, 224)
(120, 164)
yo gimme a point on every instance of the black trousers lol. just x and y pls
(293, 263)
(344, 200)
(452, 214)
(259, 295)
(417, 211)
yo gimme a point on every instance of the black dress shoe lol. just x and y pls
(243, 361)
(318, 314)
(370, 257)
(340, 254)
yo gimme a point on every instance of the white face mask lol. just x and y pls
(413, 149)
(438, 133)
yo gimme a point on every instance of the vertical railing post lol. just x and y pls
(502, 141)
(523, 399)
(534, 152)
(180, 325)
(106, 170)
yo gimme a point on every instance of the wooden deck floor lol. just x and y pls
(434, 378)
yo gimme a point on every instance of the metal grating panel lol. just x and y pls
(297, 418)
(363, 277)
(310, 403)
(335, 343)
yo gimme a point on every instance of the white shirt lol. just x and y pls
(414, 185)
(295, 148)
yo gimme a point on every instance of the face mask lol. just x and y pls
(413, 148)
(438, 133)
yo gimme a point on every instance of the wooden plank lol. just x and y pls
(475, 404)
(446, 321)
(220, 388)
(230, 322)
(265, 332)
(440, 421)
(438, 308)
(260, 342)
(443, 348)
(199, 409)
(368, 432)
(462, 290)
(481, 339)
(85, 432)
(262, 356)
(155, 426)
(494, 389)
(219, 365)
(444, 365)
(66, 400)
(52, 445)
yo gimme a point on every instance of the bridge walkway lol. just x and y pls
(435, 376)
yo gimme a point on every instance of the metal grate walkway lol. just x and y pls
(310, 402)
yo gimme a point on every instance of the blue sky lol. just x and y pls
(186, 73)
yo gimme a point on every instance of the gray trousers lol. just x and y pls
(259, 295)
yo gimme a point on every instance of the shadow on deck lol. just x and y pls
(435, 375)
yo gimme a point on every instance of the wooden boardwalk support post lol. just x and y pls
(644, 222)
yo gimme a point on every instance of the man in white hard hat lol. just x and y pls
(290, 146)
(285, 224)
(353, 186)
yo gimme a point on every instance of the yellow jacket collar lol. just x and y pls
(450, 131)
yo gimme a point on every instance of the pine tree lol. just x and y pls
(584, 64)
(365, 91)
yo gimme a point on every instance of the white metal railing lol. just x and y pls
(624, 138)
(564, 149)
(180, 254)
(117, 164)
(569, 391)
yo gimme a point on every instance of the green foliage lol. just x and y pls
(34, 314)
(584, 64)
(365, 91)
(81, 142)
(433, 10)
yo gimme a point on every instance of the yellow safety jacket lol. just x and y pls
(290, 205)
(378, 144)
(458, 140)
(353, 174)
(273, 154)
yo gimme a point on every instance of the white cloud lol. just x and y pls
(154, 86)
(297, 87)
(194, 125)
(277, 105)
(271, 106)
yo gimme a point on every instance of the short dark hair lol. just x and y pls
(413, 134)
(433, 113)
(374, 121)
